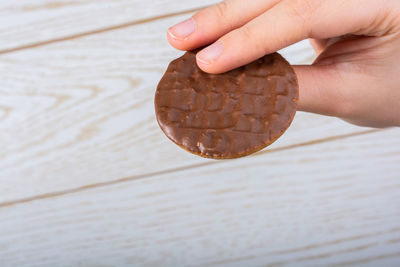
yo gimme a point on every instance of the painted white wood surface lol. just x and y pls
(27, 22)
(81, 112)
(88, 179)
(327, 204)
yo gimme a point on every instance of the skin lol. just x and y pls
(356, 75)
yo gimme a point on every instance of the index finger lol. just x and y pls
(211, 23)
(286, 23)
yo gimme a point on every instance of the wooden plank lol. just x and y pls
(79, 113)
(328, 204)
(28, 22)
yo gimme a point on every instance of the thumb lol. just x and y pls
(321, 90)
(357, 97)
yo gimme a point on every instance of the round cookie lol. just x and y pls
(227, 115)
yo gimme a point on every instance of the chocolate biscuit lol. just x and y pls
(227, 115)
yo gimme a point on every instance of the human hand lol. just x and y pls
(356, 75)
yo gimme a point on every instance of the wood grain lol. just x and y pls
(26, 23)
(81, 112)
(88, 179)
(328, 204)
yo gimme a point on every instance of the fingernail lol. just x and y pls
(210, 53)
(183, 29)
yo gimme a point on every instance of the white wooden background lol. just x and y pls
(88, 179)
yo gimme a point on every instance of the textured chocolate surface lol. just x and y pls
(227, 115)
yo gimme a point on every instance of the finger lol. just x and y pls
(319, 90)
(340, 49)
(318, 44)
(286, 23)
(346, 94)
(209, 24)
(328, 90)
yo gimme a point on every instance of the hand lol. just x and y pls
(356, 75)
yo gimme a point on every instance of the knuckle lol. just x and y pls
(253, 39)
(222, 12)
(247, 33)
(303, 10)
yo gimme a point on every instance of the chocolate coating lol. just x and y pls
(226, 115)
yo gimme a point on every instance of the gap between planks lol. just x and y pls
(162, 172)
(98, 31)
(179, 169)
